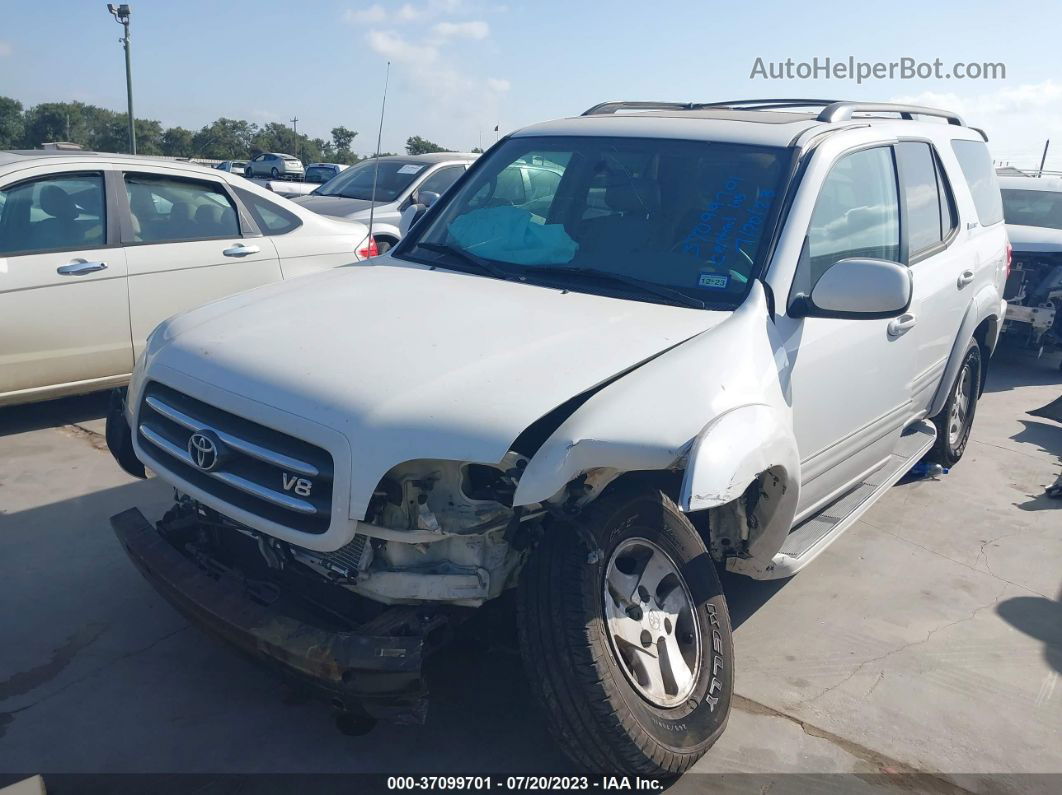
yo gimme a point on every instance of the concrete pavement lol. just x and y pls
(926, 640)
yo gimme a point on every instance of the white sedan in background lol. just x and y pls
(98, 249)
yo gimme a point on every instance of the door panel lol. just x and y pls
(64, 314)
(186, 248)
(849, 378)
(937, 303)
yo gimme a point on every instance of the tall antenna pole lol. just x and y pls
(1044, 158)
(376, 167)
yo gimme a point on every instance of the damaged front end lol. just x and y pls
(363, 657)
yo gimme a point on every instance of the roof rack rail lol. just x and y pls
(607, 108)
(843, 111)
(832, 110)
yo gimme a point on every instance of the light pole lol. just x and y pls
(121, 14)
(295, 135)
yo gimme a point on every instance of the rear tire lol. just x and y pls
(955, 420)
(274, 172)
(581, 625)
(384, 244)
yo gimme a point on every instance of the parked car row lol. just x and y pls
(111, 245)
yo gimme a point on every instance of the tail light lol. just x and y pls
(370, 250)
(1010, 257)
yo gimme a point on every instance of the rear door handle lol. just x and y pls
(80, 268)
(901, 324)
(240, 250)
(965, 278)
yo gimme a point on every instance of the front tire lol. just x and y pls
(631, 655)
(955, 420)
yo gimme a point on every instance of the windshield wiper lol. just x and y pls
(471, 259)
(631, 281)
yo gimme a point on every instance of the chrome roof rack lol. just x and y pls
(832, 110)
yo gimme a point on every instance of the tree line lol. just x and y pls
(103, 130)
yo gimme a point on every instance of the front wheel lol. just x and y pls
(955, 420)
(630, 654)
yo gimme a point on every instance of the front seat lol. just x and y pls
(635, 205)
(208, 220)
(60, 229)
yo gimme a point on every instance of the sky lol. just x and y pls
(461, 67)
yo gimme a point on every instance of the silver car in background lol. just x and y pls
(275, 165)
(398, 180)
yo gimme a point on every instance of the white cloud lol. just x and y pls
(498, 85)
(393, 46)
(406, 13)
(475, 29)
(374, 13)
(5, 49)
(1017, 118)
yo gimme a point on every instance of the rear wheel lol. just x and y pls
(631, 655)
(274, 172)
(955, 420)
(384, 244)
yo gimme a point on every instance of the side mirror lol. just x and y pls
(427, 198)
(858, 288)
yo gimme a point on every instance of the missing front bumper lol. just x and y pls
(359, 671)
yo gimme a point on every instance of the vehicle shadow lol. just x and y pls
(174, 696)
(1039, 618)
(1012, 368)
(53, 413)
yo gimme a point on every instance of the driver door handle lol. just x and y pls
(902, 324)
(240, 250)
(80, 268)
(965, 278)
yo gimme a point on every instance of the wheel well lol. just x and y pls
(725, 529)
(985, 334)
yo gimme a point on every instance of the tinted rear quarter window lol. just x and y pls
(271, 218)
(976, 164)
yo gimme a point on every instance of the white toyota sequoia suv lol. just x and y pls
(701, 336)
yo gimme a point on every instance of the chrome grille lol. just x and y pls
(260, 470)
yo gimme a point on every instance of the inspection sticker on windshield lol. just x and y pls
(714, 280)
(410, 168)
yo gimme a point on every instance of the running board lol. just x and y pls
(814, 534)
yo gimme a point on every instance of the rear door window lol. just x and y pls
(164, 209)
(976, 164)
(926, 197)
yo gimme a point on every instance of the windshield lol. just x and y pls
(356, 182)
(688, 216)
(1033, 207)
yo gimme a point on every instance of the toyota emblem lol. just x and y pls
(205, 449)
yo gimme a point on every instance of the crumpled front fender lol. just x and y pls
(730, 453)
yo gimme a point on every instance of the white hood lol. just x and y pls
(410, 363)
(1034, 238)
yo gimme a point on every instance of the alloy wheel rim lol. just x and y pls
(960, 405)
(651, 623)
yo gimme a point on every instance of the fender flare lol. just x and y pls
(986, 304)
(732, 451)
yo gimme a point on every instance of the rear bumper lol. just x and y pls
(377, 674)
